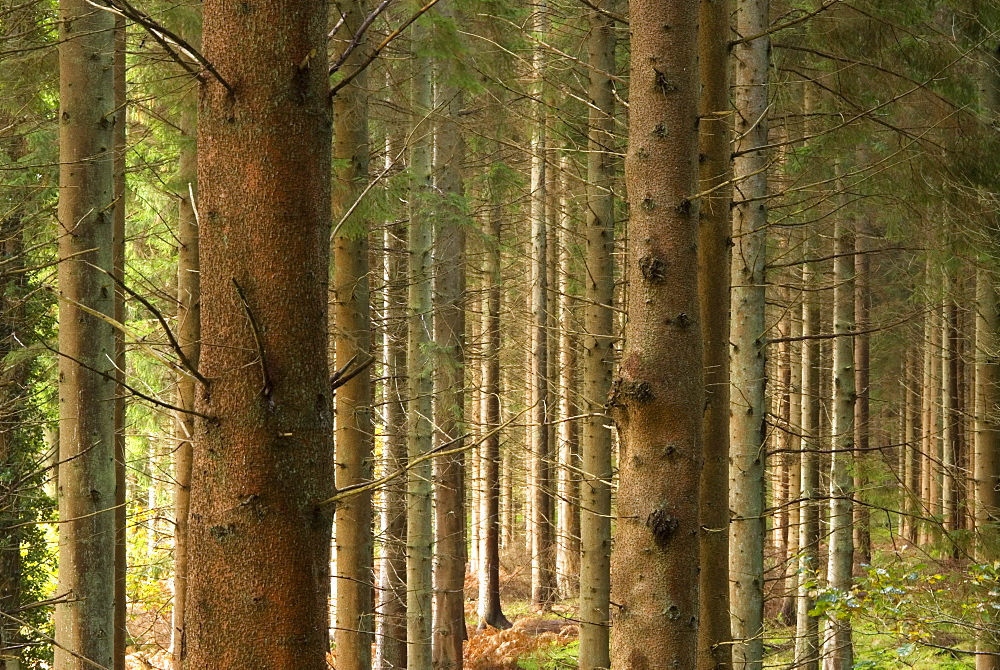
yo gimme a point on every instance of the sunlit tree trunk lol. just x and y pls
(747, 428)
(419, 511)
(838, 651)
(542, 558)
(354, 625)
(807, 626)
(598, 326)
(658, 398)
(84, 619)
(390, 641)
(567, 433)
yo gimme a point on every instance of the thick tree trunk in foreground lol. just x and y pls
(84, 623)
(748, 361)
(658, 399)
(986, 507)
(598, 326)
(715, 632)
(354, 627)
(263, 463)
(987, 461)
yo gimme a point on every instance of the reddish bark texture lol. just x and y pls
(259, 569)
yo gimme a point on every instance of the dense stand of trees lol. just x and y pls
(676, 320)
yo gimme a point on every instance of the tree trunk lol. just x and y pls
(259, 580)
(839, 653)
(489, 610)
(658, 399)
(927, 421)
(598, 326)
(986, 506)
(354, 626)
(449, 326)
(542, 558)
(85, 622)
(189, 338)
(806, 625)
(419, 535)
(987, 461)
(567, 450)
(748, 361)
(118, 265)
(714, 260)
(862, 430)
(391, 632)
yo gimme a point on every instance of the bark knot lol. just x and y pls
(662, 525)
(636, 391)
(653, 269)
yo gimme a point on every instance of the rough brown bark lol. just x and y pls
(658, 399)
(263, 463)
(85, 622)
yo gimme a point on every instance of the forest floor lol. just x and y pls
(908, 609)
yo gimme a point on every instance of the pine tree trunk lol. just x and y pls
(449, 326)
(419, 535)
(258, 582)
(542, 558)
(715, 234)
(351, 339)
(118, 265)
(987, 459)
(189, 338)
(85, 622)
(748, 360)
(489, 610)
(807, 626)
(862, 412)
(598, 326)
(927, 412)
(838, 652)
(986, 507)
(390, 647)
(566, 437)
(658, 399)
